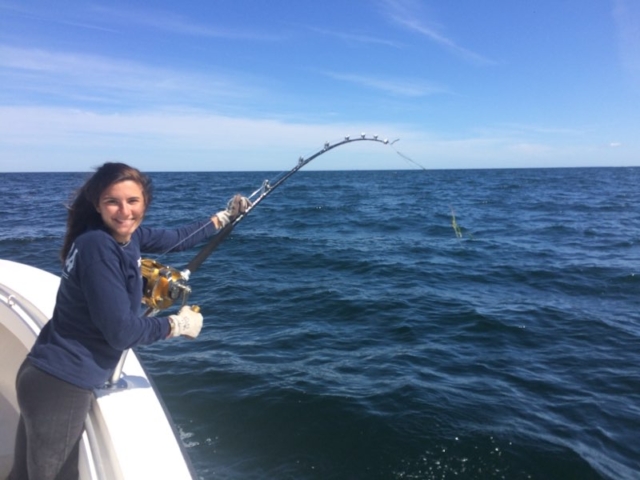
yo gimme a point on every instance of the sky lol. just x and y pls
(252, 85)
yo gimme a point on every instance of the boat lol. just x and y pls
(128, 434)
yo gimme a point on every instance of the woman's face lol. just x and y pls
(122, 208)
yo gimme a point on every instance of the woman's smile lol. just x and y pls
(122, 208)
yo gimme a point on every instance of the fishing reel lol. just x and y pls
(162, 285)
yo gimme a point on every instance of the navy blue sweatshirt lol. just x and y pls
(98, 307)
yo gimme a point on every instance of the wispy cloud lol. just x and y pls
(68, 20)
(626, 14)
(178, 24)
(54, 138)
(532, 129)
(106, 18)
(355, 38)
(22, 124)
(35, 137)
(67, 76)
(394, 86)
(408, 13)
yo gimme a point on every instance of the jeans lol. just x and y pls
(52, 415)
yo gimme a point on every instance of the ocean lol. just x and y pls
(410, 324)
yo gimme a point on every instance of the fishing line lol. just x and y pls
(456, 228)
(407, 158)
(268, 186)
(454, 223)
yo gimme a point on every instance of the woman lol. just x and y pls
(97, 315)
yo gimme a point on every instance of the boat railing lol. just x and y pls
(31, 316)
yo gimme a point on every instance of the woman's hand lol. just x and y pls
(187, 322)
(236, 207)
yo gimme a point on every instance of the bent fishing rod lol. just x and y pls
(165, 285)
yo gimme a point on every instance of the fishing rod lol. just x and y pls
(165, 285)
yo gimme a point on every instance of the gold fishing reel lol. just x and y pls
(162, 285)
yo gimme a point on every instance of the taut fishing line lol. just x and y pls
(408, 159)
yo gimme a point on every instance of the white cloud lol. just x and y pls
(200, 141)
(521, 129)
(626, 14)
(179, 24)
(73, 77)
(41, 139)
(95, 17)
(401, 87)
(358, 38)
(156, 140)
(64, 19)
(408, 13)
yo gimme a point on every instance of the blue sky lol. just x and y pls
(226, 85)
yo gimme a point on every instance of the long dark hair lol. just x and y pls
(83, 214)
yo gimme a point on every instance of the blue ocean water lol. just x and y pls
(354, 331)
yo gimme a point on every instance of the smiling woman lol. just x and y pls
(115, 198)
(122, 206)
(96, 316)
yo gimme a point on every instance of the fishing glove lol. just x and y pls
(236, 207)
(187, 322)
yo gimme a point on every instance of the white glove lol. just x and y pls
(236, 207)
(187, 322)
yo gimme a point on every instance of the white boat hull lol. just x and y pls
(128, 433)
